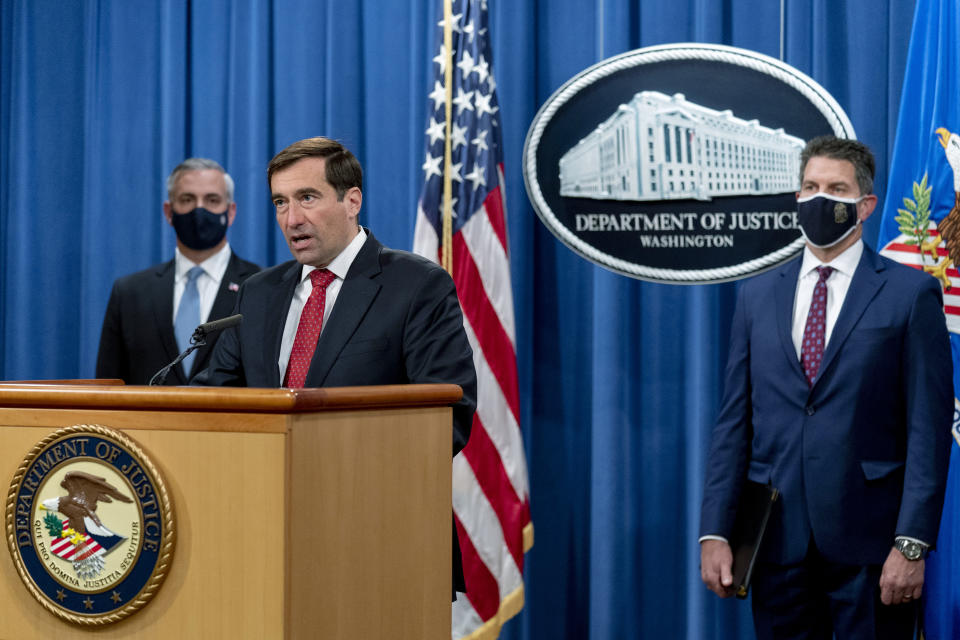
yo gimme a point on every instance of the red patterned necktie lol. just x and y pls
(814, 334)
(311, 321)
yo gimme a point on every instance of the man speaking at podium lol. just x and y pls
(838, 393)
(347, 310)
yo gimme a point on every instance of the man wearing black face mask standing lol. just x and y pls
(838, 393)
(152, 313)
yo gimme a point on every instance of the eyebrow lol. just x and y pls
(829, 185)
(297, 193)
(191, 194)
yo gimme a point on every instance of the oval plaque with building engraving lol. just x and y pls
(678, 163)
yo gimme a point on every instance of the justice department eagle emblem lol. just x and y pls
(840, 213)
(929, 228)
(90, 525)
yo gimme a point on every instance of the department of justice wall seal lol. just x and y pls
(678, 163)
(90, 525)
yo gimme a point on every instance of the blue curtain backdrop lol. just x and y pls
(619, 379)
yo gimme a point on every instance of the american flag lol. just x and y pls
(63, 547)
(491, 498)
(900, 250)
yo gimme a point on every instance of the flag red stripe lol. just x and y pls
(494, 341)
(951, 273)
(494, 206)
(912, 248)
(482, 589)
(485, 461)
(88, 551)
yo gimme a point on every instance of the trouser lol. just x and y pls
(815, 599)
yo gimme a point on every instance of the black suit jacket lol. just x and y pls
(137, 337)
(396, 320)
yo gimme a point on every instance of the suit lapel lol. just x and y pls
(785, 294)
(162, 296)
(222, 306)
(867, 281)
(355, 297)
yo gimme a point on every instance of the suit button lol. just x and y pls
(811, 410)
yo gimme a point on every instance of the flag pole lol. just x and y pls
(446, 248)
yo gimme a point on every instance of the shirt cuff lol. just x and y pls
(720, 538)
(908, 539)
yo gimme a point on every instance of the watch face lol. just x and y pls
(911, 550)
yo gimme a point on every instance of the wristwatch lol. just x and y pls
(911, 549)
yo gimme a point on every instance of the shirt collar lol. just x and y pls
(340, 265)
(846, 263)
(214, 266)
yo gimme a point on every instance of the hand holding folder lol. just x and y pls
(756, 504)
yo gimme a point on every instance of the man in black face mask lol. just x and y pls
(838, 393)
(152, 314)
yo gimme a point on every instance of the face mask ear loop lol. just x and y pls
(856, 208)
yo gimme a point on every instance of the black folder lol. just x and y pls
(753, 514)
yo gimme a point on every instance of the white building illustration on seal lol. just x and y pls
(658, 147)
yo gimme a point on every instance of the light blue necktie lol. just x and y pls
(188, 316)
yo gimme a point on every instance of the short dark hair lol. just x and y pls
(853, 151)
(343, 170)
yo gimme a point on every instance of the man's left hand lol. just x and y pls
(901, 580)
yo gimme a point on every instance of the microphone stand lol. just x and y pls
(197, 340)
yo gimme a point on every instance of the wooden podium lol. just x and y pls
(313, 513)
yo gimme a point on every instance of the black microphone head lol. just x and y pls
(207, 328)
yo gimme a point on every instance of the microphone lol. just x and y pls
(197, 340)
(216, 325)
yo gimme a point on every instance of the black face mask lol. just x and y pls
(825, 220)
(200, 229)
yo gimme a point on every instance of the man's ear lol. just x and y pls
(231, 213)
(354, 199)
(866, 206)
(168, 212)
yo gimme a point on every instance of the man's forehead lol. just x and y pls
(200, 181)
(306, 172)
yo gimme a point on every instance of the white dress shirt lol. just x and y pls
(838, 284)
(339, 266)
(207, 284)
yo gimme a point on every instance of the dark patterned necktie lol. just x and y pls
(814, 334)
(308, 331)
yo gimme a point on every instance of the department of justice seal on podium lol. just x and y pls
(90, 525)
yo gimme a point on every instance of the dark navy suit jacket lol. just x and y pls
(859, 457)
(396, 320)
(137, 338)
